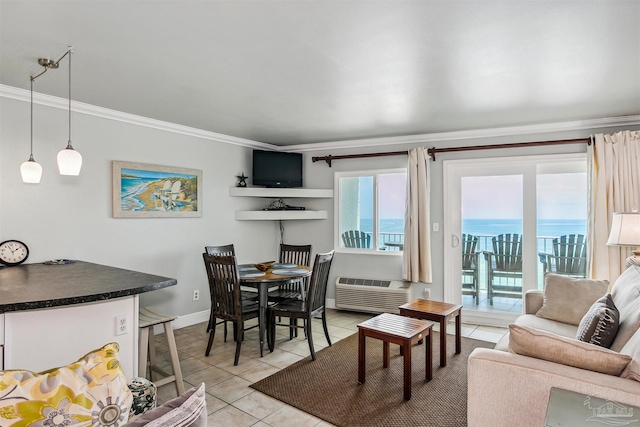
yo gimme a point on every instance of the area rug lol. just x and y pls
(328, 388)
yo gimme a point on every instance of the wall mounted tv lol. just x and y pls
(277, 169)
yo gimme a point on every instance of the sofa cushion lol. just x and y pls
(632, 348)
(186, 410)
(626, 296)
(90, 392)
(558, 328)
(600, 324)
(566, 351)
(567, 299)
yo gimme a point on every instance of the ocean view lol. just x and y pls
(547, 228)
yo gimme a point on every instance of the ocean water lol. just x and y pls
(492, 227)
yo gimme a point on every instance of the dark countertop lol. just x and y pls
(34, 286)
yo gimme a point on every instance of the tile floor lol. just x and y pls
(230, 400)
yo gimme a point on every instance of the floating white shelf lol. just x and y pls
(280, 193)
(309, 193)
(278, 215)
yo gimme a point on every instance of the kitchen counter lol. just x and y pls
(35, 286)
(72, 308)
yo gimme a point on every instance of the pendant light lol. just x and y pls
(69, 160)
(31, 170)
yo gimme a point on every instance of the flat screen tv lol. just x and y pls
(277, 169)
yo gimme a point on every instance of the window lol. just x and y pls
(370, 210)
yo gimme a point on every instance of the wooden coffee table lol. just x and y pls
(404, 331)
(438, 312)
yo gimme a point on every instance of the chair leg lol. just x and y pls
(240, 333)
(271, 332)
(212, 334)
(307, 328)
(324, 326)
(225, 331)
(292, 329)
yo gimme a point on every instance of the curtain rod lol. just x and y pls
(432, 151)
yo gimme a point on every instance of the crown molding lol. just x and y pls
(79, 107)
(586, 124)
(92, 110)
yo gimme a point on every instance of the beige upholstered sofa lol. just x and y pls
(508, 388)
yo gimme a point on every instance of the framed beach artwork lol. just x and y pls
(151, 191)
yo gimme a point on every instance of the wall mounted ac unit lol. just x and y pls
(371, 295)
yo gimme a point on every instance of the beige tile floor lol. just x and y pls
(230, 400)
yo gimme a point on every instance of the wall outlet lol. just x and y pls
(196, 295)
(427, 293)
(122, 324)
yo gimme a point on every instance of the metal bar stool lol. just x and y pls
(148, 318)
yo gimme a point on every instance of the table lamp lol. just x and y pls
(625, 231)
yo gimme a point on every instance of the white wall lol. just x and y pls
(70, 217)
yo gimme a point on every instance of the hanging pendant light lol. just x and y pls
(69, 160)
(31, 170)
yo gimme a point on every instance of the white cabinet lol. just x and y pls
(280, 193)
(42, 339)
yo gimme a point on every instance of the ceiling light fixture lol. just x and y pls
(31, 170)
(69, 160)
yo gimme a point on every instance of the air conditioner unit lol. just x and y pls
(371, 295)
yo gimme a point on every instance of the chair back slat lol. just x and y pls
(318, 283)
(469, 254)
(571, 253)
(224, 286)
(508, 252)
(224, 250)
(295, 254)
(356, 239)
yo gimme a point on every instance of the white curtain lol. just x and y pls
(614, 169)
(417, 235)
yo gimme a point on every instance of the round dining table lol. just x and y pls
(274, 276)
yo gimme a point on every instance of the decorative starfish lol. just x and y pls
(243, 180)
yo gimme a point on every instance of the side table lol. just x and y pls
(438, 312)
(404, 331)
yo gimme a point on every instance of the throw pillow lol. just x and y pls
(626, 295)
(186, 410)
(600, 324)
(554, 348)
(90, 392)
(567, 299)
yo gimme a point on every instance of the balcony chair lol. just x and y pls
(504, 266)
(356, 239)
(569, 256)
(311, 307)
(226, 302)
(470, 284)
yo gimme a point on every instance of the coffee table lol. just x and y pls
(404, 331)
(438, 312)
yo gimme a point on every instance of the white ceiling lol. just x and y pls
(296, 72)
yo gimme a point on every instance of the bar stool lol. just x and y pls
(147, 318)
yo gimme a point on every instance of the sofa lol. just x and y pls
(93, 391)
(510, 384)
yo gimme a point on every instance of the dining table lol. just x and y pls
(275, 275)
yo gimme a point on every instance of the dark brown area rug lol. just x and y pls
(328, 388)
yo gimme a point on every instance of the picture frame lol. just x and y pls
(143, 190)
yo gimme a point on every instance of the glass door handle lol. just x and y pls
(455, 241)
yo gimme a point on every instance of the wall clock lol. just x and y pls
(13, 252)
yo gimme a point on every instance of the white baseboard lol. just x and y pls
(203, 316)
(184, 321)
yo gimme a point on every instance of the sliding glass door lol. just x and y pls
(504, 218)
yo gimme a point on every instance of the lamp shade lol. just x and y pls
(69, 162)
(625, 229)
(31, 171)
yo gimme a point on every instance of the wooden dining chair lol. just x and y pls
(312, 306)
(226, 302)
(292, 254)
